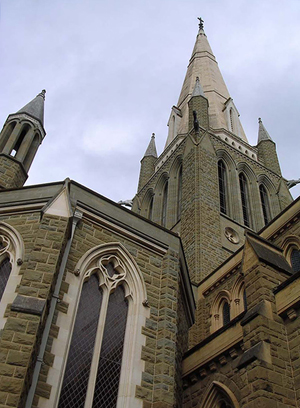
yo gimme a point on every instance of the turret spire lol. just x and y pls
(35, 108)
(262, 132)
(151, 149)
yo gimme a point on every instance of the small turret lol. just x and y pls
(198, 108)
(147, 163)
(20, 138)
(267, 149)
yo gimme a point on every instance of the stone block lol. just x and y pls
(28, 304)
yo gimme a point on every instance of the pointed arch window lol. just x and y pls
(226, 313)
(222, 175)
(85, 344)
(164, 205)
(265, 203)
(19, 140)
(110, 305)
(5, 264)
(244, 190)
(150, 212)
(295, 259)
(179, 194)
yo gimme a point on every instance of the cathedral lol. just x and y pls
(188, 299)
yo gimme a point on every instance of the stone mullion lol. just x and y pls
(21, 335)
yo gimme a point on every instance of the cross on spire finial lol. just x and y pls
(201, 25)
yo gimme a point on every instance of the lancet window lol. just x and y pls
(265, 203)
(226, 313)
(244, 190)
(164, 205)
(222, 187)
(108, 306)
(179, 194)
(150, 211)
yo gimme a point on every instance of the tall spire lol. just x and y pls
(262, 132)
(203, 65)
(151, 149)
(35, 108)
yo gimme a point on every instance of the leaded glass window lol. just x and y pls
(245, 199)
(5, 270)
(265, 203)
(226, 313)
(93, 368)
(164, 206)
(109, 369)
(222, 186)
(80, 356)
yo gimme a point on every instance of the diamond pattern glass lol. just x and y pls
(5, 269)
(78, 366)
(108, 375)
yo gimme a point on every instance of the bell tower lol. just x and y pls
(209, 184)
(20, 138)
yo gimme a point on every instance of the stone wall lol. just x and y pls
(44, 241)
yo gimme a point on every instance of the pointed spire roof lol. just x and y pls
(198, 91)
(35, 108)
(262, 132)
(151, 149)
(203, 65)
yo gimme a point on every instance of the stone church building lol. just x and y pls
(188, 300)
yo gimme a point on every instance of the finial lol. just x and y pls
(42, 94)
(153, 136)
(201, 26)
(259, 120)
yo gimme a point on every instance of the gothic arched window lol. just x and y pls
(265, 203)
(245, 199)
(222, 186)
(179, 194)
(226, 313)
(150, 211)
(5, 270)
(295, 259)
(164, 205)
(84, 348)
(104, 351)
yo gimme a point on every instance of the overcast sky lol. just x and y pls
(113, 69)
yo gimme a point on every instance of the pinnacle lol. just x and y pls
(262, 132)
(151, 149)
(198, 91)
(35, 108)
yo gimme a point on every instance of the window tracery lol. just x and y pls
(109, 275)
